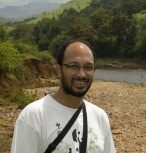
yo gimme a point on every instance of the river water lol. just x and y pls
(120, 75)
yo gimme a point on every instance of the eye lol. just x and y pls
(89, 67)
(74, 66)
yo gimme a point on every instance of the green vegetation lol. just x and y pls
(3, 33)
(78, 5)
(140, 46)
(116, 30)
(9, 57)
(113, 27)
(20, 98)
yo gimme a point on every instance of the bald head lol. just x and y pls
(73, 46)
(78, 51)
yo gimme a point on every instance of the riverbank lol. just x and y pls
(124, 103)
(115, 63)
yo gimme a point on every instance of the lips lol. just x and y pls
(80, 84)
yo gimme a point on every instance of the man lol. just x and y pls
(42, 121)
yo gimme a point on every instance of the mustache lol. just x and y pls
(81, 79)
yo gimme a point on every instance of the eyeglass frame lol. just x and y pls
(86, 68)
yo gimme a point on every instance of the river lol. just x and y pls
(121, 75)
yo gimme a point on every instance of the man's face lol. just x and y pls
(77, 69)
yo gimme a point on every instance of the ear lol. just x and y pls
(58, 69)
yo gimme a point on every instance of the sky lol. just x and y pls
(4, 3)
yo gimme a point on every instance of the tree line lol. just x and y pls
(115, 29)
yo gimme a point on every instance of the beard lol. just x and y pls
(69, 87)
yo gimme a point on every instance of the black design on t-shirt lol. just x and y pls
(76, 138)
(58, 125)
(74, 135)
(59, 128)
(70, 150)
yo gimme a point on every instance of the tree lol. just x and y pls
(3, 33)
(9, 57)
(131, 6)
(105, 42)
(100, 20)
(141, 52)
(123, 29)
(82, 28)
(126, 6)
(140, 47)
(23, 32)
(44, 32)
(67, 17)
(56, 43)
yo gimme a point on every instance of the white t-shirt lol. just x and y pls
(40, 122)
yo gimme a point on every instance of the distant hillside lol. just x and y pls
(3, 20)
(76, 4)
(17, 13)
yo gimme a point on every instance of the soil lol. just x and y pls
(124, 103)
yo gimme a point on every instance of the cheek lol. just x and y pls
(68, 75)
(90, 76)
(65, 76)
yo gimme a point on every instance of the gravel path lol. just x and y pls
(124, 103)
(126, 106)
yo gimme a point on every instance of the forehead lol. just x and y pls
(78, 52)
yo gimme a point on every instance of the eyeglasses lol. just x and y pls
(77, 67)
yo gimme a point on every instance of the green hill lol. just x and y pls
(76, 4)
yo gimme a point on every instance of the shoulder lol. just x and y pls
(35, 105)
(35, 110)
(94, 108)
(95, 111)
(98, 117)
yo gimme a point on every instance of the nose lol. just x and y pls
(81, 72)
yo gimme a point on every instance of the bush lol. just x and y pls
(3, 33)
(24, 48)
(9, 57)
(20, 98)
(46, 54)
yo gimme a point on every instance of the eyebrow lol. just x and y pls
(74, 62)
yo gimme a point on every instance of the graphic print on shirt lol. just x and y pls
(95, 141)
(75, 139)
(92, 138)
(59, 128)
(73, 146)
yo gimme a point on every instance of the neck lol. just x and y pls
(67, 100)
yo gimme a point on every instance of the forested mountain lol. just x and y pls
(115, 29)
(78, 5)
(19, 13)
